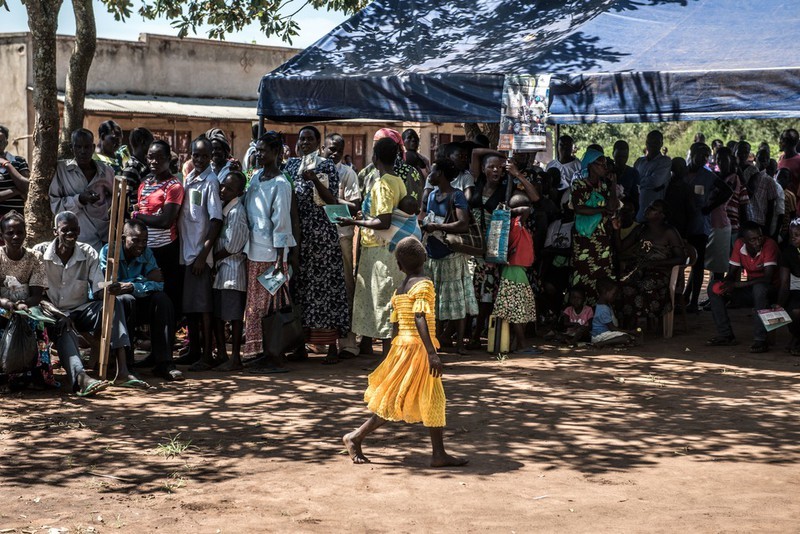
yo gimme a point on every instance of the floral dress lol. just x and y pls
(319, 288)
(591, 255)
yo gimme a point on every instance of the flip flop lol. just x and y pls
(267, 370)
(133, 383)
(347, 355)
(328, 360)
(92, 389)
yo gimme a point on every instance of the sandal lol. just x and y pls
(347, 355)
(133, 383)
(721, 341)
(330, 359)
(759, 347)
(534, 350)
(93, 388)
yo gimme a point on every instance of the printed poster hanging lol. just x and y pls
(523, 122)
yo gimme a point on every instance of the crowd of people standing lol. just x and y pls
(589, 239)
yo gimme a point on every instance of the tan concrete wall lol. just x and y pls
(13, 102)
(162, 65)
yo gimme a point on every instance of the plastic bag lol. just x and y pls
(497, 234)
(18, 347)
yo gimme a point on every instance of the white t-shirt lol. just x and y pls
(567, 170)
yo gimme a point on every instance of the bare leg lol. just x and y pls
(462, 326)
(207, 342)
(519, 336)
(440, 458)
(353, 440)
(234, 363)
(123, 373)
(484, 310)
(365, 347)
(387, 345)
(219, 337)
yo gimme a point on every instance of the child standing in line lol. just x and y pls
(230, 283)
(605, 328)
(407, 386)
(576, 320)
(199, 223)
(515, 301)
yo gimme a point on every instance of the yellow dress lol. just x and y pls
(402, 388)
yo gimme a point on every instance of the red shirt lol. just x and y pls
(153, 196)
(520, 244)
(754, 265)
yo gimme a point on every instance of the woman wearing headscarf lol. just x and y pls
(594, 200)
(411, 177)
(319, 288)
(221, 162)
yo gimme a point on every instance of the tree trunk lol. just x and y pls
(43, 23)
(79, 64)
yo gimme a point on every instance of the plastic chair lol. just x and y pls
(677, 281)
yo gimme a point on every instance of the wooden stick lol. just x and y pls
(115, 227)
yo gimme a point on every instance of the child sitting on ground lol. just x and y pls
(605, 330)
(407, 386)
(576, 320)
(230, 283)
(515, 302)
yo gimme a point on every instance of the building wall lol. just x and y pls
(160, 65)
(168, 66)
(14, 51)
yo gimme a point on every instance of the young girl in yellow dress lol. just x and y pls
(407, 386)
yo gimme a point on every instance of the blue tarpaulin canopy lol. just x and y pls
(610, 61)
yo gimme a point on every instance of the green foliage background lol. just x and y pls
(678, 136)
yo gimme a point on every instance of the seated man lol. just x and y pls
(758, 256)
(73, 278)
(140, 276)
(789, 296)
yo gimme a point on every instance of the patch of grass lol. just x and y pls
(174, 447)
(174, 482)
(502, 357)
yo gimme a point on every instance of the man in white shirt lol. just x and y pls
(83, 186)
(199, 225)
(350, 196)
(74, 282)
(566, 163)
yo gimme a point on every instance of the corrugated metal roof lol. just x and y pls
(172, 106)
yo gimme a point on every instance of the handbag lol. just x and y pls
(470, 242)
(282, 328)
(18, 347)
(497, 234)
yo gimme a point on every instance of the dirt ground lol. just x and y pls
(668, 437)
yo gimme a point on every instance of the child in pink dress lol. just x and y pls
(576, 320)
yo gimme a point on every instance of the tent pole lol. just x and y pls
(555, 141)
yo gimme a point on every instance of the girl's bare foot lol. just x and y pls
(448, 461)
(354, 449)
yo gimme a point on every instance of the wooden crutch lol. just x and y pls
(116, 223)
